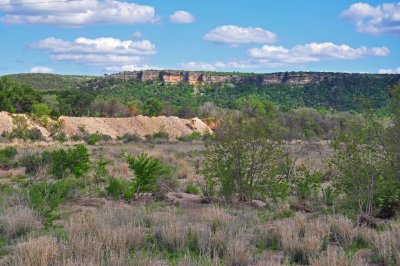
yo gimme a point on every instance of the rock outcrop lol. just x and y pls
(197, 77)
(115, 127)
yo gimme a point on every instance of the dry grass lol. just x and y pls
(334, 256)
(342, 230)
(40, 251)
(387, 244)
(18, 221)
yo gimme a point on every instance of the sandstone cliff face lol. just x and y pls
(198, 78)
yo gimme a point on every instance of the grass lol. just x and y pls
(146, 231)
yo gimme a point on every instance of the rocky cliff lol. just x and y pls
(196, 78)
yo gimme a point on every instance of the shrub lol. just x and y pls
(34, 163)
(306, 184)
(92, 139)
(126, 138)
(61, 137)
(161, 135)
(7, 154)
(118, 188)
(147, 171)
(72, 161)
(46, 196)
(192, 188)
(34, 134)
(191, 137)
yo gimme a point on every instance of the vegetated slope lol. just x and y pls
(41, 81)
(115, 127)
(340, 91)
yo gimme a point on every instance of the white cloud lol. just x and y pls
(389, 71)
(137, 34)
(100, 51)
(76, 13)
(314, 52)
(380, 51)
(380, 19)
(181, 17)
(113, 69)
(41, 69)
(235, 35)
(269, 56)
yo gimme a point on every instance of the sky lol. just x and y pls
(94, 37)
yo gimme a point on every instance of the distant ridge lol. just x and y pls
(201, 77)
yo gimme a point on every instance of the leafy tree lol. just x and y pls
(72, 161)
(75, 102)
(17, 98)
(152, 107)
(148, 171)
(243, 156)
(360, 161)
(40, 109)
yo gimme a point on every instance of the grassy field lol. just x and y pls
(177, 224)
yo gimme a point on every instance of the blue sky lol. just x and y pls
(93, 37)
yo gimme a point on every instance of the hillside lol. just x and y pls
(49, 81)
(338, 91)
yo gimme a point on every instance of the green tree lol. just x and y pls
(72, 161)
(243, 157)
(15, 98)
(152, 107)
(75, 102)
(40, 109)
(360, 160)
(148, 171)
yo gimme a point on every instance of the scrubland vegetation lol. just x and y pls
(271, 186)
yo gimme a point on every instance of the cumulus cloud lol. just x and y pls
(76, 13)
(389, 71)
(137, 34)
(122, 68)
(269, 56)
(96, 51)
(42, 69)
(314, 52)
(204, 66)
(380, 19)
(235, 35)
(182, 17)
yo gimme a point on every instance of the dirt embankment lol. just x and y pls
(114, 127)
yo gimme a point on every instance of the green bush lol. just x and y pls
(60, 136)
(193, 188)
(34, 163)
(46, 196)
(34, 134)
(306, 184)
(92, 139)
(191, 137)
(161, 135)
(72, 161)
(7, 155)
(126, 138)
(148, 171)
(118, 188)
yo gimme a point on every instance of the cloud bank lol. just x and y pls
(380, 19)
(182, 17)
(235, 35)
(76, 13)
(99, 51)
